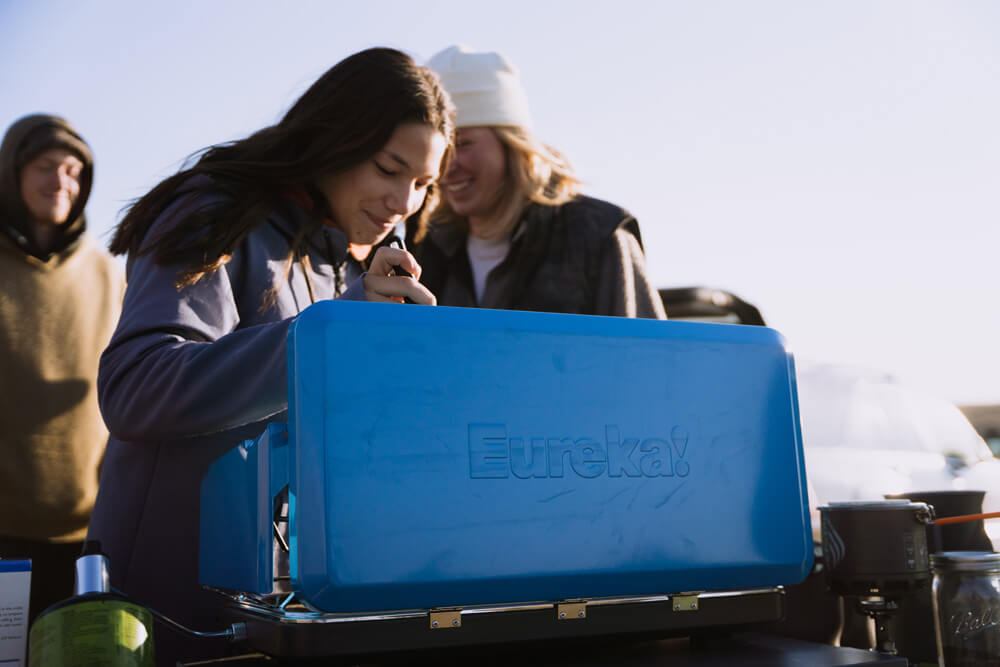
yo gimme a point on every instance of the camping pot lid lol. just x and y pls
(882, 505)
(965, 561)
(943, 493)
(893, 504)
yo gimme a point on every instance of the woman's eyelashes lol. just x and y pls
(419, 185)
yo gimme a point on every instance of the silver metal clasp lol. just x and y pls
(925, 515)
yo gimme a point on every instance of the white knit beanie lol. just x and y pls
(485, 87)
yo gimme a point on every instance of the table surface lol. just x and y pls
(737, 650)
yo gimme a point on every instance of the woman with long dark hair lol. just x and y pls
(221, 257)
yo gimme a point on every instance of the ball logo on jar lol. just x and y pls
(973, 622)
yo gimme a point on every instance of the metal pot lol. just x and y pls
(876, 547)
(967, 536)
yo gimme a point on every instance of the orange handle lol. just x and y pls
(966, 517)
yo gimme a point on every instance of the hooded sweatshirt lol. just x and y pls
(58, 308)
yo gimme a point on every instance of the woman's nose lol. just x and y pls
(405, 200)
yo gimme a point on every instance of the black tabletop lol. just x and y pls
(737, 650)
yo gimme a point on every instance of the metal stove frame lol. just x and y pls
(287, 627)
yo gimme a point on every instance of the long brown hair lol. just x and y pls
(344, 118)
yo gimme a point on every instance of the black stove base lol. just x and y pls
(304, 635)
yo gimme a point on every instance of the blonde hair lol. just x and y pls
(536, 173)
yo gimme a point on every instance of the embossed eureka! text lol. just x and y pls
(494, 455)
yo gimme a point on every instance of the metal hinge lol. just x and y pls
(449, 618)
(685, 603)
(571, 610)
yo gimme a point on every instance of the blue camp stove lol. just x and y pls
(453, 477)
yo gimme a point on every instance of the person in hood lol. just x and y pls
(222, 257)
(513, 230)
(59, 304)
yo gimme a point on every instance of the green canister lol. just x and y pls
(95, 627)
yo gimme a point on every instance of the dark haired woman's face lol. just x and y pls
(369, 200)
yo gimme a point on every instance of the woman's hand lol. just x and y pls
(382, 283)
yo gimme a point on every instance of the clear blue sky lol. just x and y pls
(837, 163)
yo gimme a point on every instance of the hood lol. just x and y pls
(25, 139)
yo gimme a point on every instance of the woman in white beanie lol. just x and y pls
(512, 230)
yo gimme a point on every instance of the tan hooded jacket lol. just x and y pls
(58, 309)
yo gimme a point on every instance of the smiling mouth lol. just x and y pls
(380, 222)
(458, 187)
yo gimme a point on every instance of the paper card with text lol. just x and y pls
(15, 591)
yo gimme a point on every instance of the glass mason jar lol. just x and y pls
(966, 597)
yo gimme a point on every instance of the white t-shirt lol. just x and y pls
(484, 254)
